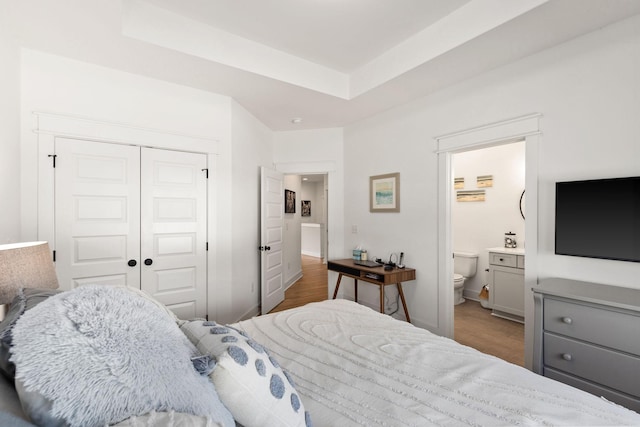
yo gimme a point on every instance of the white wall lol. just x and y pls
(292, 234)
(9, 134)
(318, 151)
(55, 84)
(310, 239)
(477, 226)
(252, 147)
(587, 91)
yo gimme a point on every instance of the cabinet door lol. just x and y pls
(173, 230)
(508, 290)
(97, 213)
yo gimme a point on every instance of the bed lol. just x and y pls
(343, 364)
(354, 366)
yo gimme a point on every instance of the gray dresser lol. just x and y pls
(588, 335)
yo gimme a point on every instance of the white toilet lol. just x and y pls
(464, 265)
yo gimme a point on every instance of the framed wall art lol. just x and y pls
(289, 201)
(305, 208)
(384, 193)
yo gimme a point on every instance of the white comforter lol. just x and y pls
(354, 366)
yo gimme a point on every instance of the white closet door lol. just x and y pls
(97, 213)
(173, 230)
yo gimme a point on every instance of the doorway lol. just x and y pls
(305, 229)
(313, 215)
(525, 127)
(488, 183)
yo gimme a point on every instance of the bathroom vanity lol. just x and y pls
(587, 335)
(506, 283)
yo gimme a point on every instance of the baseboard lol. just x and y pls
(293, 280)
(252, 312)
(313, 254)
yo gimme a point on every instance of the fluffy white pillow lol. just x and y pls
(249, 382)
(97, 355)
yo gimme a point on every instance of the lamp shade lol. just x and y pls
(25, 265)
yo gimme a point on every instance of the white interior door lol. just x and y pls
(173, 230)
(97, 213)
(271, 236)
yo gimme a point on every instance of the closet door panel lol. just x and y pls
(173, 229)
(97, 215)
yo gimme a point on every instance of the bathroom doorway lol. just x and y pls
(488, 186)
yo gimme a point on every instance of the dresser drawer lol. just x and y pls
(503, 259)
(616, 370)
(608, 328)
(621, 398)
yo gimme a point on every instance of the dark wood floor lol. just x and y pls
(474, 325)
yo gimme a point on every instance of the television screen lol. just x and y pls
(599, 218)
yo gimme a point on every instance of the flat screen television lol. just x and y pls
(599, 218)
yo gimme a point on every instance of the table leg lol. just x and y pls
(335, 293)
(381, 298)
(404, 303)
(355, 289)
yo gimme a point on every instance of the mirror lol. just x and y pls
(522, 200)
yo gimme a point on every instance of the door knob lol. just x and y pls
(148, 261)
(132, 263)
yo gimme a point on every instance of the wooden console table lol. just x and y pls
(376, 275)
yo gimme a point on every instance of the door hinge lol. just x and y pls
(207, 246)
(53, 156)
(54, 256)
(206, 172)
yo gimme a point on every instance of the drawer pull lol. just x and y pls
(567, 357)
(501, 259)
(567, 320)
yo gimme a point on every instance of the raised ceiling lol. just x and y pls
(330, 62)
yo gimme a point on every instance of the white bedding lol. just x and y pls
(354, 366)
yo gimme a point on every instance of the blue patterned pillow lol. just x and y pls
(249, 382)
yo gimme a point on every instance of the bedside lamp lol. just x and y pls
(25, 265)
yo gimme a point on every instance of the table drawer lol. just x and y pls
(618, 371)
(503, 259)
(615, 329)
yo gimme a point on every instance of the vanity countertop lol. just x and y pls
(508, 251)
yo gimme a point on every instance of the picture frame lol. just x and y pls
(305, 208)
(289, 201)
(384, 193)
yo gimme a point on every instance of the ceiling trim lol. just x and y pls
(154, 25)
(470, 21)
